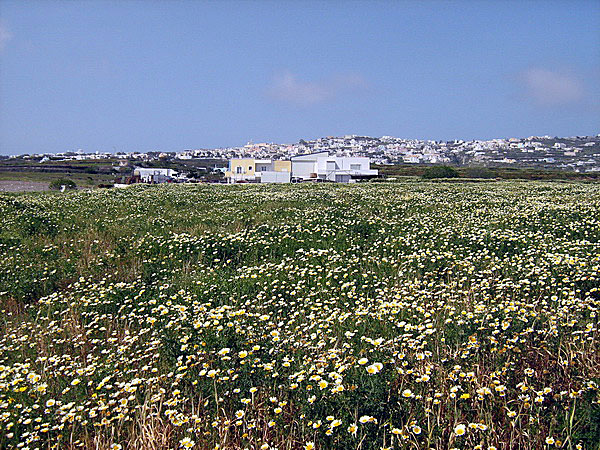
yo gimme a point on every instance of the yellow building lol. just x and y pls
(252, 170)
(282, 166)
(241, 169)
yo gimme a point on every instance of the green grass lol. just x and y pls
(505, 173)
(81, 179)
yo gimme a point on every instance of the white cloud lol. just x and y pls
(288, 88)
(551, 88)
(5, 36)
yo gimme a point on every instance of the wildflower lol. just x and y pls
(367, 419)
(373, 369)
(460, 429)
(407, 393)
(187, 442)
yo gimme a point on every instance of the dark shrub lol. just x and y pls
(440, 172)
(56, 185)
(479, 172)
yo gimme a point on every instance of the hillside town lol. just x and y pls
(577, 154)
(580, 153)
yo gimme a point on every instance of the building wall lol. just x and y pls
(151, 174)
(304, 168)
(342, 178)
(320, 165)
(275, 177)
(263, 167)
(282, 166)
(246, 166)
(347, 163)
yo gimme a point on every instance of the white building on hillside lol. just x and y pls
(154, 175)
(340, 169)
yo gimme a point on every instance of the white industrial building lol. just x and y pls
(154, 175)
(318, 166)
(339, 169)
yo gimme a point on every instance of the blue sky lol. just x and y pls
(169, 75)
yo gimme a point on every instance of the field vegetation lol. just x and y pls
(84, 180)
(92, 173)
(367, 316)
(483, 172)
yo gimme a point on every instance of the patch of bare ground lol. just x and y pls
(22, 186)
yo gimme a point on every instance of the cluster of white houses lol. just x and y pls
(312, 167)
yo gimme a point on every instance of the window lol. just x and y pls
(354, 166)
(239, 169)
(249, 168)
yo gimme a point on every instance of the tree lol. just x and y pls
(440, 172)
(57, 185)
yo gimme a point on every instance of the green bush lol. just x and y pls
(440, 172)
(57, 184)
(479, 172)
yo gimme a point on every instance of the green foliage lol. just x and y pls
(440, 172)
(479, 172)
(57, 185)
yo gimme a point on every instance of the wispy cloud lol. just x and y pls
(288, 88)
(551, 87)
(5, 36)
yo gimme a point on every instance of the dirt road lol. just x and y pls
(22, 186)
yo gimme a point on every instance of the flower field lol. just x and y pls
(367, 316)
